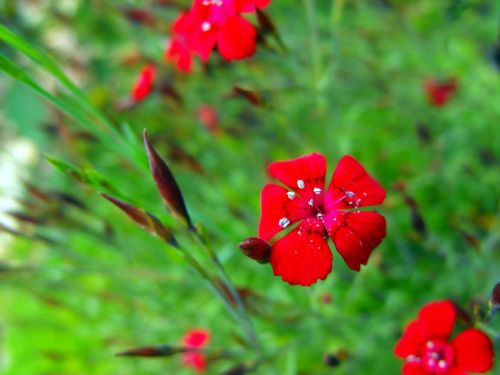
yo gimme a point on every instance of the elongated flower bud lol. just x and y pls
(146, 220)
(166, 184)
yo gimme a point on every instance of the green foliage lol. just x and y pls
(82, 282)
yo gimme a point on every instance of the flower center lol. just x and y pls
(437, 357)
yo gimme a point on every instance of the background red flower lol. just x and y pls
(427, 348)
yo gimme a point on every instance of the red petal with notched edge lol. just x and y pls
(275, 206)
(179, 53)
(302, 257)
(473, 350)
(437, 319)
(352, 186)
(411, 341)
(195, 360)
(413, 369)
(236, 39)
(355, 234)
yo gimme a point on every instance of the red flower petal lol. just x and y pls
(302, 256)
(457, 371)
(437, 319)
(250, 5)
(144, 84)
(179, 53)
(236, 39)
(196, 338)
(410, 368)
(355, 234)
(203, 41)
(352, 186)
(305, 175)
(473, 350)
(411, 341)
(278, 210)
(195, 360)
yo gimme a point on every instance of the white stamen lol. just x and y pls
(317, 190)
(350, 194)
(284, 222)
(291, 194)
(442, 363)
(301, 184)
(205, 26)
(319, 216)
(311, 202)
(429, 344)
(431, 362)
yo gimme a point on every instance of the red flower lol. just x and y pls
(439, 92)
(427, 348)
(144, 83)
(178, 49)
(303, 256)
(195, 339)
(218, 22)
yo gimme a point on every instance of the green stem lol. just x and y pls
(242, 311)
(310, 9)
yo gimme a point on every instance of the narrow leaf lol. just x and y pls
(146, 220)
(166, 184)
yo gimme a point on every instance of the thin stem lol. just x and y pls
(246, 321)
(310, 9)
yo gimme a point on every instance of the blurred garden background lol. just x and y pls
(411, 89)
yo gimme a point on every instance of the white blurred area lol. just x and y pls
(15, 156)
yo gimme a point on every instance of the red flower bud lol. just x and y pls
(257, 249)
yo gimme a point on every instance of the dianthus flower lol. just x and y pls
(439, 92)
(219, 23)
(302, 256)
(144, 83)
(178, 49)
(195, 339)
(427, 348)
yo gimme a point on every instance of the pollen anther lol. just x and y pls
(291, 194)
(317, 190)
(301, 184)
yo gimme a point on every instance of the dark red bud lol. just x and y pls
(146, 220)
(166, 184)
(152, 351)
(257, 249)
(251, 96)
(495, 296)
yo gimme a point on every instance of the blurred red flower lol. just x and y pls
(302, 256)
(427, 347)
(178, 49)
(439, 92)
(144, 83)
(195, 339)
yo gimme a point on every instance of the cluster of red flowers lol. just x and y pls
(427, 348)
(302, 255)
(195, 339)
(213, 23)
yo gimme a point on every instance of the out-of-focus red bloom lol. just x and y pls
(303, 256)
(195, 339)
(439, 92)
(208, 118)
(144, 83)
(427, 348)
(219, 23)
(178, 49)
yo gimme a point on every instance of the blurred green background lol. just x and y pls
(80, 282)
